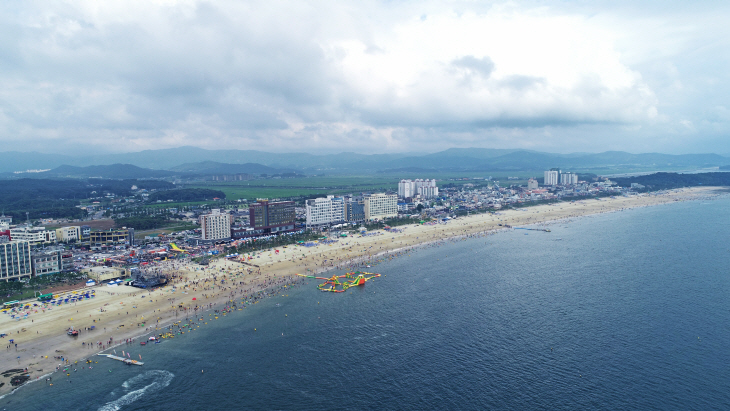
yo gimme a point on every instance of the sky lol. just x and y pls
(86, 77)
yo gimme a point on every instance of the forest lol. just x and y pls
(49, 198)
(666, 181)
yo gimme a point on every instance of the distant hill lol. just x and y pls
(212, 168)
(116, 171)
(191, 160)
(665, 181)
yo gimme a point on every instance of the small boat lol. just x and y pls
(143, 343)
(72, 333)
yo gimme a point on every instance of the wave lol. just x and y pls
(148, 382)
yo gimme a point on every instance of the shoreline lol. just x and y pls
(224, 281)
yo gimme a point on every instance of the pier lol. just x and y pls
(127, 361)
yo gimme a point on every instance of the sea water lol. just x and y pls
(626, 310)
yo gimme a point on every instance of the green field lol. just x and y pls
(293, 187)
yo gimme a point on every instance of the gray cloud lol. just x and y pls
(289, 76)
(481, 66)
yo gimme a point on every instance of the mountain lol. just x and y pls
(212, 168)
(114, 171)
(192, 160)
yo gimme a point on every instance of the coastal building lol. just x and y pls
(322, 211)
(551, 178)
(5, 219)
(272, 217)
(532, 184)
(354, 210)
(380, 206)
(15, 260)
(216, 225)
(46, 262)
(5, 236)
(67, 261)
(425, 188)
(123, 236)
(68, 234)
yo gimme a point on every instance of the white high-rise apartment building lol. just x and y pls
(216, 225)
(532, 184)
(15, 260)
(425, 188)
(406, 189)
(329, 210)
(551, 178)
(379, 206)
(568, 179)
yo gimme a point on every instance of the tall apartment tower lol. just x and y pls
(216, 225)
(551, 178)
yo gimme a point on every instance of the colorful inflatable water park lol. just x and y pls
(340, 283)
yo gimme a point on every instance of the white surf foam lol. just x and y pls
(155, 380)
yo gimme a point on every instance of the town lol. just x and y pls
(29, 249)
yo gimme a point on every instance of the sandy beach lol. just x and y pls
(121, 313)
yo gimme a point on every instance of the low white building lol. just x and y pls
(68, 234)
(34, 235)
(380, 206)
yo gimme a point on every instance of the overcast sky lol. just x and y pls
(365, 76)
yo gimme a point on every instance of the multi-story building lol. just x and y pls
(568, 179)
(272, 217)
(85, 232)
(532, 184)
(67, 261)
(123, 236)
(380, 206)
(5, 236)
(68, 234)
(329, 210)
(216, 225)
(551, 178)
(425, 188)
(354, 211)
(34, 235)
(406, 189)
(46, 262)
(15, 260)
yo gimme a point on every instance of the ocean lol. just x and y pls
(620, 311)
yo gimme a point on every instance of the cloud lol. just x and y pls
(359, 76)
(480, 66)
